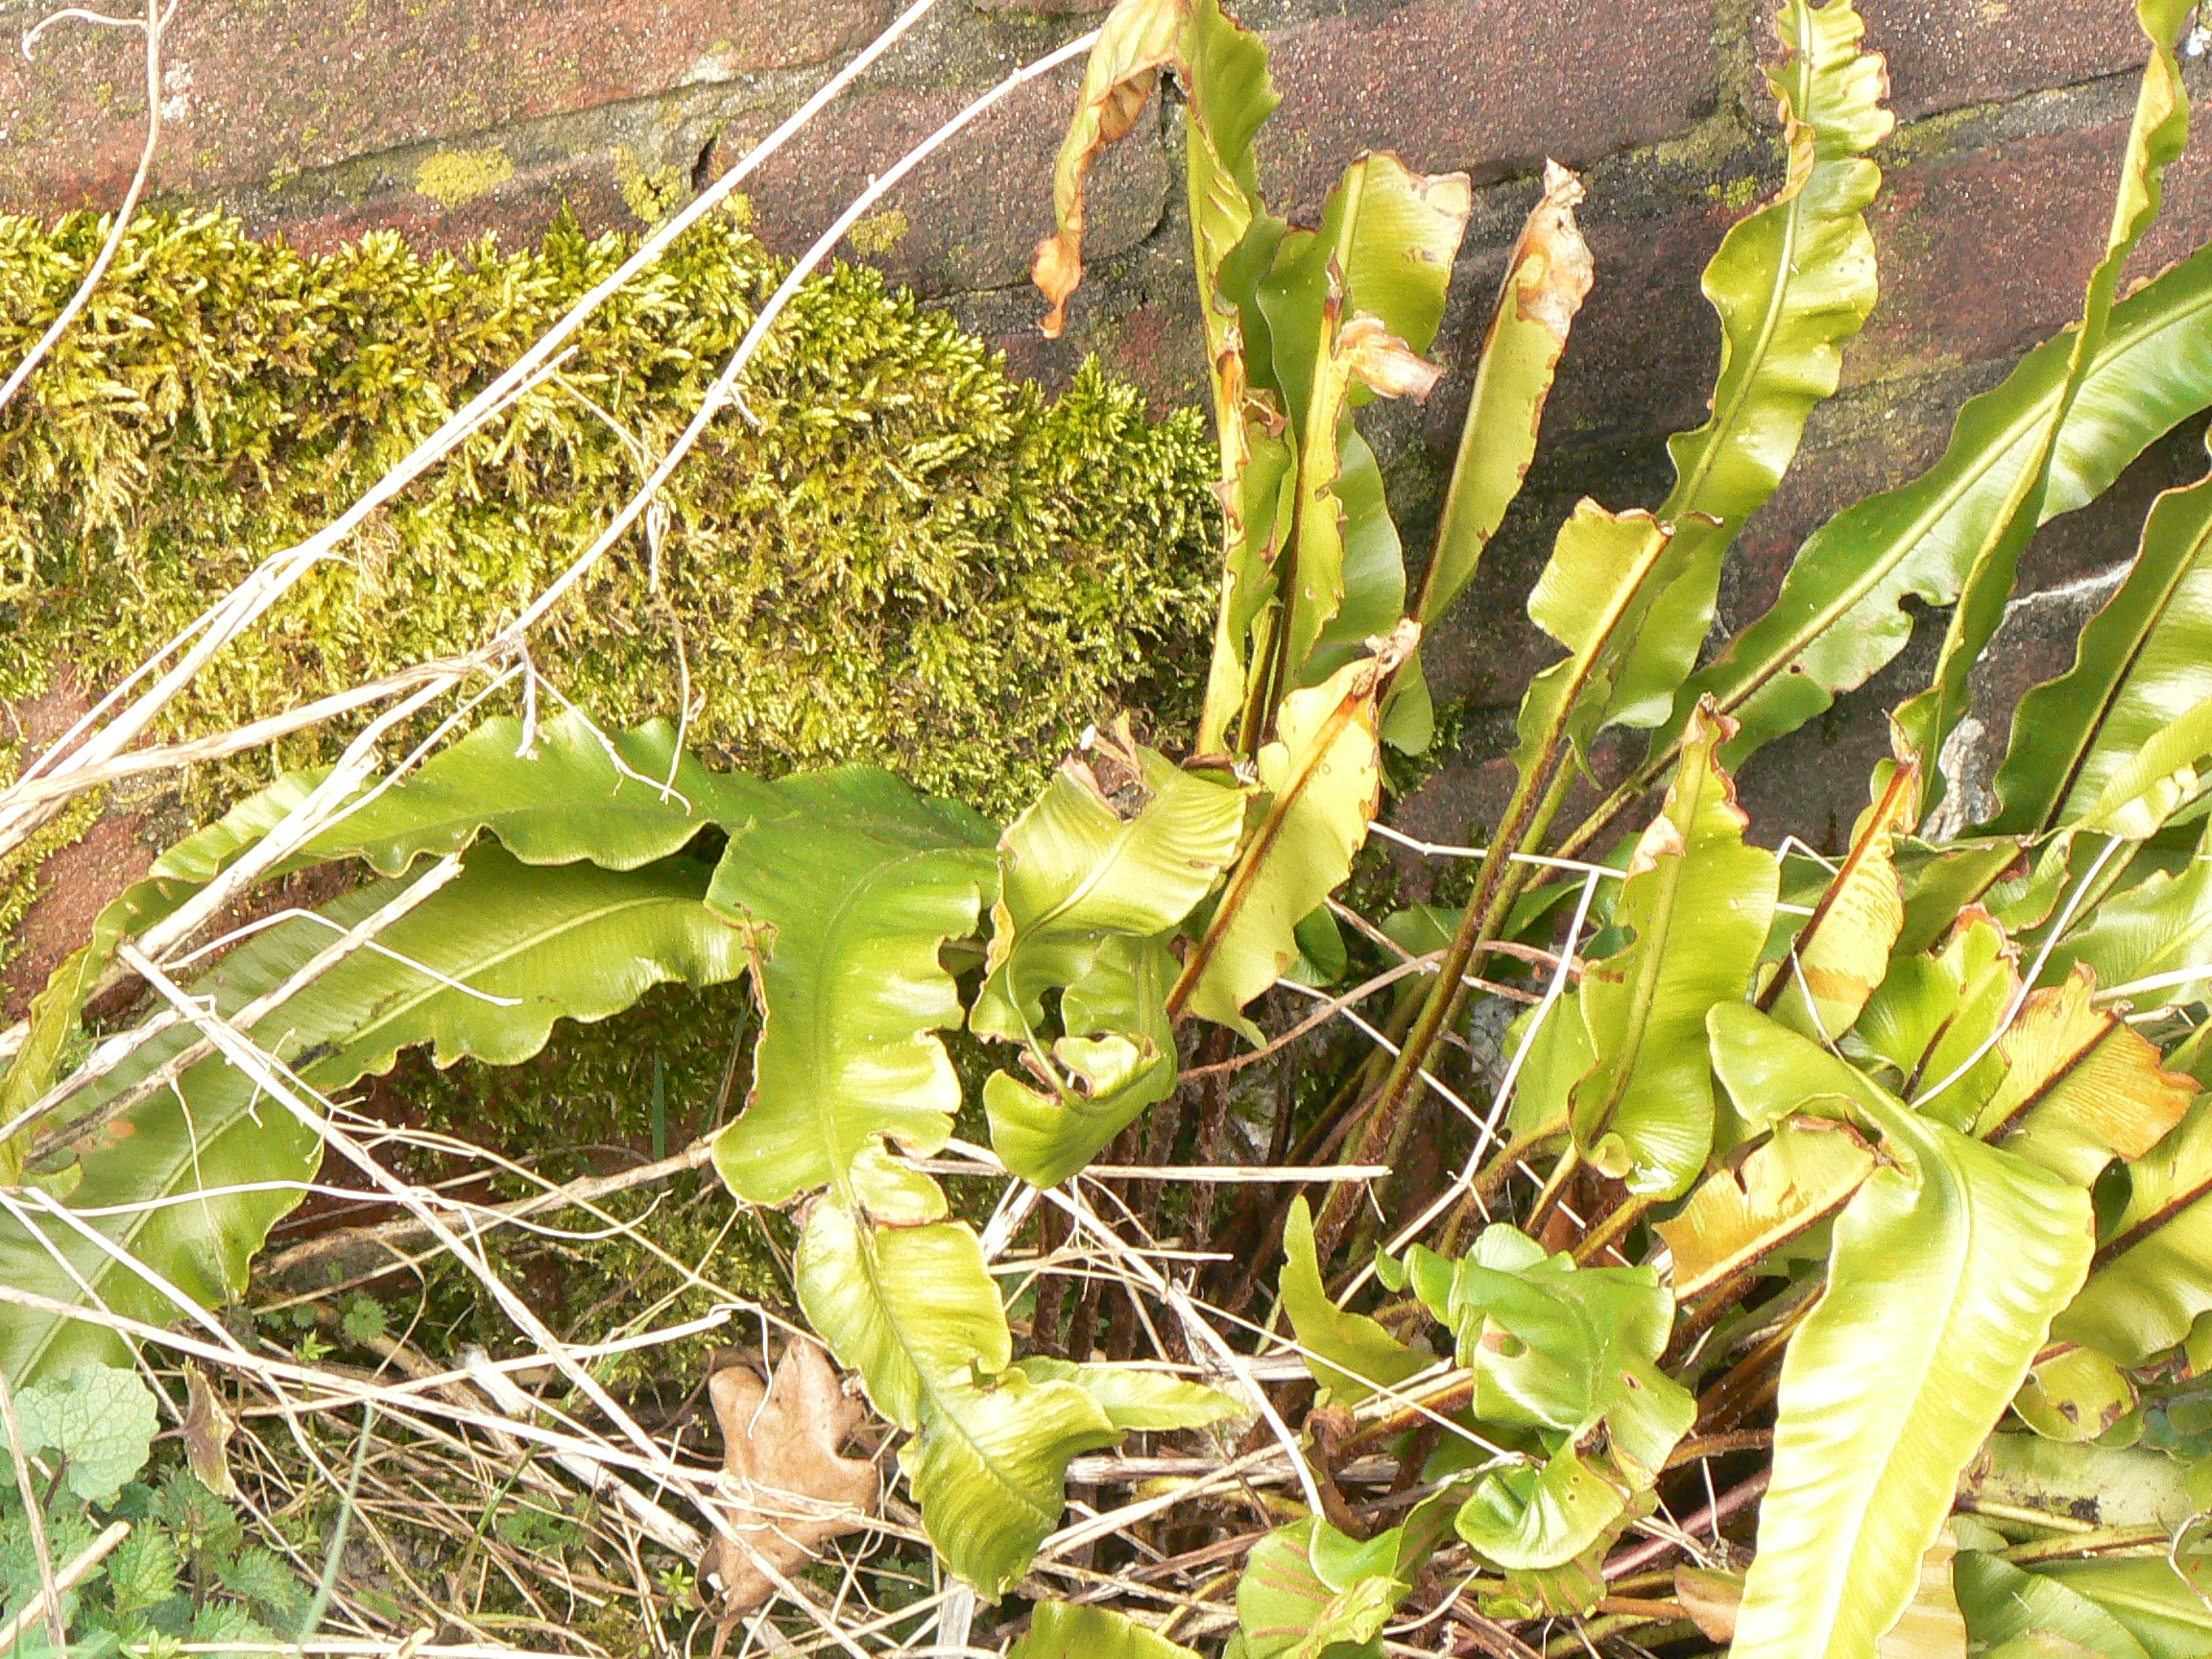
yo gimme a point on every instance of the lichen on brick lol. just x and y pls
(452, 177)
(878, 233)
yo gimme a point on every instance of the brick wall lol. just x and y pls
(453, 118)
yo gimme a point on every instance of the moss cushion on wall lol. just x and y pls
(909, 557)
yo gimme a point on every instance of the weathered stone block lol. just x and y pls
(1985, 248)
(257, 89)
(1945, 53)
(1492, 86)
(971, 216)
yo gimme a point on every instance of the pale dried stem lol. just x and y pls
(252, 598)
(155, 22)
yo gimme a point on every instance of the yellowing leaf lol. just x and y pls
(791, 1491)
(1842, 952)
(2083, 1086)
(2074, 1394)
(1547, 275)
(1322, 781)
(1783, 1190)
(1136, 39)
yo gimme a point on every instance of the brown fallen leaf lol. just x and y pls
(209, 1425)
(789, 1491)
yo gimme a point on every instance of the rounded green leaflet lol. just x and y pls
(101, 1419)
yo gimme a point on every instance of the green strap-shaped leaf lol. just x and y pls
(574, 794)
(1696, 902)
(1348, 1354)
(913, 1308)
(1350, 308)
(575, 943)
(1547, 275)
(1792, 282)
(1557, 1347)
(2153, 1270)
(1308, 1592)
(1946, 1270)
(566, 802)
(1572, 1354)
(2155, 139)
(1322, 781)
(1838, 617)
(2004, 1603)
(1093, 878)
(2152, 783)
(2161, 925)
(1062, 1630)
(1933, 1014)
(1594, 595)
(2160, 1609)
(863, 882)
(2145, 658)
(1133, 1399)
(175, 876)
(1538, 1517)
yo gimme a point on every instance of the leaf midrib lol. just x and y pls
(1909, 541)
(1687, 490)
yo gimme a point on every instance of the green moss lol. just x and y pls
(911, 559)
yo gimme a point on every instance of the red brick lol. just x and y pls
(1984, 252)
(974, 212)
(1945, 54)
(260, 89)
(517, 210)
(1490, 85)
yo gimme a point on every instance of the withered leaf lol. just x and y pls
(209, 1425)
(788, 1490)
(2081, 1085)
(1138, 39)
